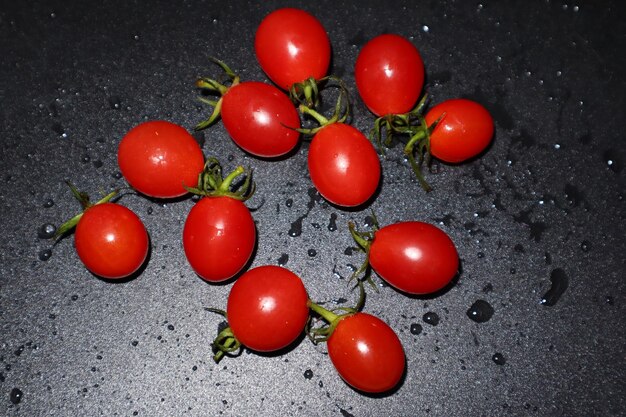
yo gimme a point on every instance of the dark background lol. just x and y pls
(548, 195)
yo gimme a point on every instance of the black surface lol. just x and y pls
(546, 200)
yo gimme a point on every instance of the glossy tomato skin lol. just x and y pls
(343, 165)
(414, 257)
(218, 237)
(158, 157)
(291, 46)
(261, 119)
(267, 308)
(389, 75)
(367, 353)
(111, 241)
(464, 132)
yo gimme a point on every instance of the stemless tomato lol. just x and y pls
(414, 257)
(157, 158)
(291, 46)
(343, 165)
(367, 353)
(464, 132)
(389, 75)
(260, 118)
(267, 308)
(218, 237)
(111, 240)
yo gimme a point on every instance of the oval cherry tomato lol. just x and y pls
(464, 132)
(267, 308)
(157, 158)
(218, 237)
(111, 240)
(389, 75)
(260, 118)
(367, 353)
(291, 46)
(414, 257)
(343, 165)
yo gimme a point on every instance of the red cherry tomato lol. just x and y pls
(267, 308)
(367, 353)
(111, 240)
(414, 257)
(260, 118)
(389, 75)
(218, 237)
(343, 165)
(157, 158)
(291, 46)
(464, 132)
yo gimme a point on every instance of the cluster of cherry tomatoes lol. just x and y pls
(268, 307)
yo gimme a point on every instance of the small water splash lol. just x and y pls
(560, 282)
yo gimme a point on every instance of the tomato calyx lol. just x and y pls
(225, 343)
(331, 317)
(215, 87)
(364, 241)
(395, 124)
(420, 141)
(340, 114)
(211, 182)
(86, 203)
(307, 92)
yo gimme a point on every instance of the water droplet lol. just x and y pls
(296, 227)
(576, 8)
(45, 254)
(416, 328)
(425, 28)
(19, 350)
(115, 102)
(46, 231)
(585, 246)
(431, 318)
(557, 146)
(481, 255)
(312, 253)
(560, 282)
(150, 210)
(53, 15)
(170, 327)
(16, 395)
(59, 130)
(98, 163)
(609, 300)
(289, 202)
(498, 358)
(85, 159)
(480, 312)
(512, 271)
(488, 288)
(136, 37)
(134, 342)
(332, 224)
(308, 374)
(117, 175)
(48, 203)
(74, 297)
(284, 258)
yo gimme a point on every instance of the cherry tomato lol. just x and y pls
(267, 308)
(343, 165)
(389, 75)
(291, 46)
(367, 353)
(218, 237)
(260, 118)
(157, 158)
(111, 240)
(464, 132)
(414, 257)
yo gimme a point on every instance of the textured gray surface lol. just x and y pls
(548, 194)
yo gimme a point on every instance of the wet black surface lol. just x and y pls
(546, 201)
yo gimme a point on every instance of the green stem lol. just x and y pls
(226, 183)
(327, 315)
(318, 117)
(84, 201)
